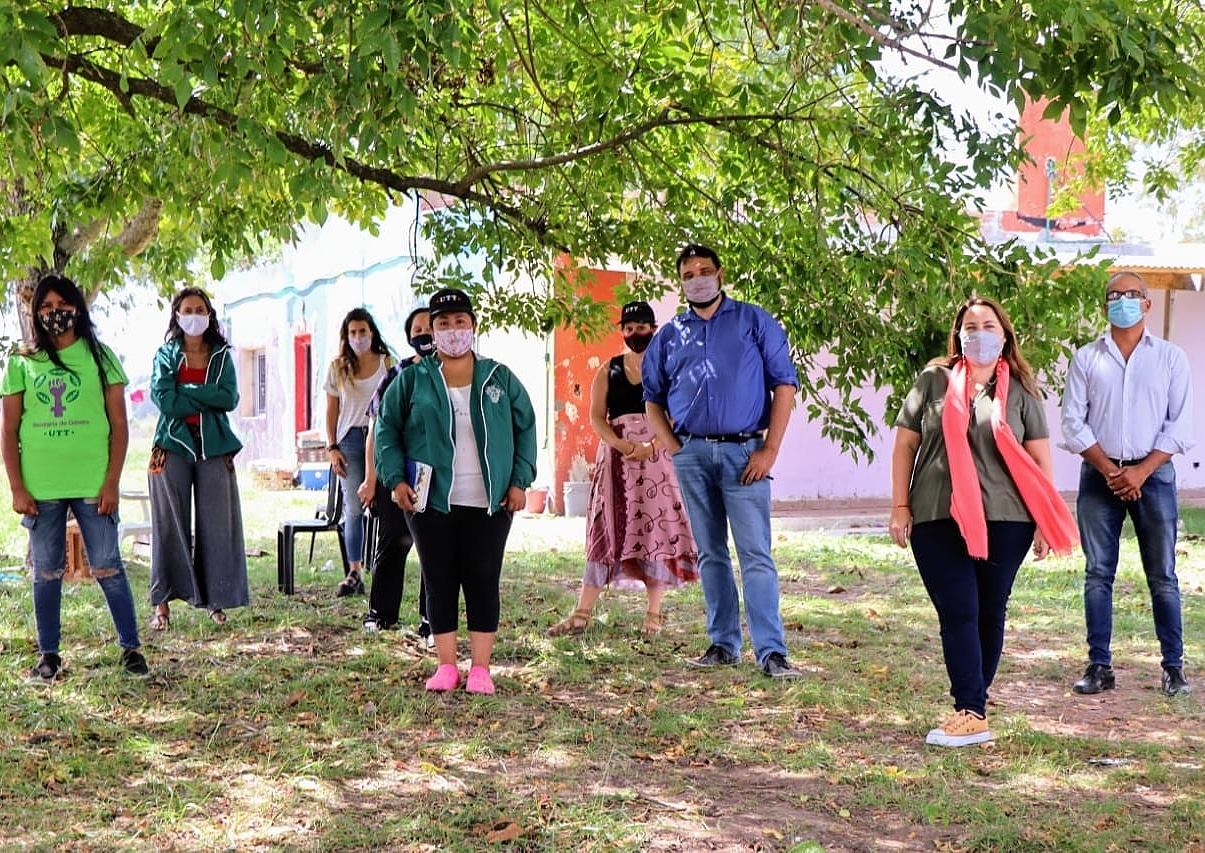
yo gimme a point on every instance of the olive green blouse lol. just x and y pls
(929, 493)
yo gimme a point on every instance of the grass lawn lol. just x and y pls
(289, 728)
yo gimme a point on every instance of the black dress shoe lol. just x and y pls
(777, 666)
(715, 656)
(1097, 677)
(1174, 682)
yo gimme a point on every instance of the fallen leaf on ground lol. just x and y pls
(506, 830)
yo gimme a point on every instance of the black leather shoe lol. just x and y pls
(777, 666)
(1097, 677)
(49, 667)
(715, 656)
(1174, 682)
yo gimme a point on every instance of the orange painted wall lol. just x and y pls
(1052, 139)
(574, 366)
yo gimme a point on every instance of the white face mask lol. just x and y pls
(360, 345)
(981, 347)
(193, 324)
(701, 289)
(454, 342)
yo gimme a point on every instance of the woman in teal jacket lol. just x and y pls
(468, 424)
(194, 385)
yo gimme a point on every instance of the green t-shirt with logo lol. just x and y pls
(64, 431)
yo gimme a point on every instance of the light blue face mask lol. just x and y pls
(1125, 312)
(981, 347)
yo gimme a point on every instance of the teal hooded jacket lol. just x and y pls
(211, 400)
(415, 422)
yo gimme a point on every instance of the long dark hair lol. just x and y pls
(68, 291)
(348, 363)
(212, 336)
(1011, 353)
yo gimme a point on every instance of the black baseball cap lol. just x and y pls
(450, 301)
(694, 250)
(637, 312)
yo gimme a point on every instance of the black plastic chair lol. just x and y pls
(324, 521)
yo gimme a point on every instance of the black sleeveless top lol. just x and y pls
(623, 398)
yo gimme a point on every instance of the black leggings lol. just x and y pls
(388, 555)
(458, 550)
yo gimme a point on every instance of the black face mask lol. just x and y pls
(58, 321)
(637, 341)
(424, 345)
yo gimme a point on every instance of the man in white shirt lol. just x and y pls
(1127, 410)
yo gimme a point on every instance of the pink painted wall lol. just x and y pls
(811, 466)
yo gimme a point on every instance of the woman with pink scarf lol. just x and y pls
(972, 488)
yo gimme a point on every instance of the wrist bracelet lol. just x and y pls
(330, 447)
(902, 506)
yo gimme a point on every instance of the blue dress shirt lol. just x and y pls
(717, 376)
(1129, 407)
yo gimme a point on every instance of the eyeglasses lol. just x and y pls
(1114, 295)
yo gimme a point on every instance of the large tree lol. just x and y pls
(139, 136)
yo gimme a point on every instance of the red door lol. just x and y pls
(303, 386)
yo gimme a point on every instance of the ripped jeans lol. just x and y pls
(48, 544)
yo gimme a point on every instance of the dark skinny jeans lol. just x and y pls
(971, 599)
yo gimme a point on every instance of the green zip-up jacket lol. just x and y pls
(415, 421)
(211, 400)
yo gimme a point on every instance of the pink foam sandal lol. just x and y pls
(479, 681)
(446, 678)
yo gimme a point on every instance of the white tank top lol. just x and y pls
(468, 485)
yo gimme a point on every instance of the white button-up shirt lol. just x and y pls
(1128, 408)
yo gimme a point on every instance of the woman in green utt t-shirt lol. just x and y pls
(64, 443)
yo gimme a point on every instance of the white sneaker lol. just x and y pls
(962, 728)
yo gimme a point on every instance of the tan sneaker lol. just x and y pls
(962, 728)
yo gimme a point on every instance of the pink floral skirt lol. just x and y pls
(637, 532)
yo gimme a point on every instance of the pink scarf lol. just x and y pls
(966, 503)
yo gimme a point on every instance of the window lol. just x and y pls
(253, 383)
(259, 387)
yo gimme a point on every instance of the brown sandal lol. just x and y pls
(653, 623)
(160, 621)
(575, 624)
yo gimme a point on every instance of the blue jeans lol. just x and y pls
(352, 446)
(971, 599)
(48, 543)
(1155, 514)
(709, 475)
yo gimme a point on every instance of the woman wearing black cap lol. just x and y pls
(467, 424)
(393, 541)
(638, 533)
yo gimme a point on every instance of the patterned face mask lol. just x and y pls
(58, 321)
(454, 342)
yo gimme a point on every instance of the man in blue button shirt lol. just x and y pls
(719, 384)
(1127, 410)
